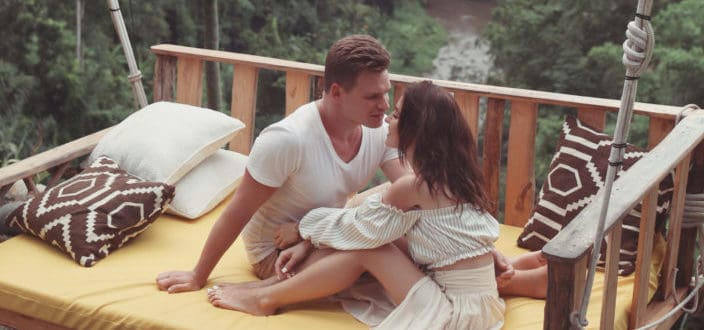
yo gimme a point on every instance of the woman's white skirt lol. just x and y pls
(454, 299)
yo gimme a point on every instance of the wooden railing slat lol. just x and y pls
(592, 117)
(164, 78)
(608, 305)
(520, 170)
(298, 87)
(244, 100)
(189, 88)
(646, 238)
(491, 155)
(674, 229)
(658, 129)
(469, 104)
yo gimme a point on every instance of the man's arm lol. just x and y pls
(248, 197)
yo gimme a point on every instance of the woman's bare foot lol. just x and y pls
(238, 299)
(249, 284)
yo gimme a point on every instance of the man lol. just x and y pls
(318, 156)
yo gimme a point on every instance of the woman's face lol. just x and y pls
(392, 120)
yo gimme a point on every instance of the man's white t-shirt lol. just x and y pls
(296, 155)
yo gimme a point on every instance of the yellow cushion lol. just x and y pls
(120, 291)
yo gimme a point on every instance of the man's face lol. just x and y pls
(368, 100)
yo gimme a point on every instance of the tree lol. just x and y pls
(212, 41)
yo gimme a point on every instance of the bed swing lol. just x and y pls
(45, 289)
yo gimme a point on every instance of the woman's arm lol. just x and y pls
(377, 221)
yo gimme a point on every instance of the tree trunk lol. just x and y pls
(212, 41)
(80, 8)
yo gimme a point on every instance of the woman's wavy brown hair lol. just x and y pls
(444, 151)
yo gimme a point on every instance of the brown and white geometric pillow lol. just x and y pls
(93, 213)
(577, 172)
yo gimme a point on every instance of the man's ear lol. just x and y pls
(336, 90)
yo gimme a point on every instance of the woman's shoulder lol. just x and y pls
(404, 193)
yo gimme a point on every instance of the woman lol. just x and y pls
(434, 219)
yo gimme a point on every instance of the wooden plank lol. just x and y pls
(593, 117)
(576, 239)
(658, 129)
(674, 230)
(491, 154)
(164, 78)
(297, 90)
(50, 158)
(244, 101)
(641, 282)
(498, 92)
(189, 87)
(520, 170)
(608, 304)
(469, 104)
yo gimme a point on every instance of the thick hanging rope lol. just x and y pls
(135, 77)
(638, 49)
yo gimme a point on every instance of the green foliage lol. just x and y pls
(51, 94)
(575, 47)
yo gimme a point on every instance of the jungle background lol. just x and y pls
(63, 73)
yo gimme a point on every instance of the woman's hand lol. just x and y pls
(290, 258)
(286, 235)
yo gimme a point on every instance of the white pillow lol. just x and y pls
(207, 184)
(164, 140)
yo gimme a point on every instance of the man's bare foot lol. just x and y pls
(243, 300)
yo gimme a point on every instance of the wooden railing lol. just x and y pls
(178, 77)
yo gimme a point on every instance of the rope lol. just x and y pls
(638, 49)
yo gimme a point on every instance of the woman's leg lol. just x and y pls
(329, 275)
(527, 283)
(528, 260)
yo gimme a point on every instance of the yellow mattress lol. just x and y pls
(119, 291)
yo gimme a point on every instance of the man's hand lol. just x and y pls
(292, 257)
(179, 281)
(503, 270)
(286, 235)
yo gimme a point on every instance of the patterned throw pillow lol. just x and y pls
(577, 172)
(93, 213)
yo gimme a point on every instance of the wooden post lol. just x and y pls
(566, 280)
